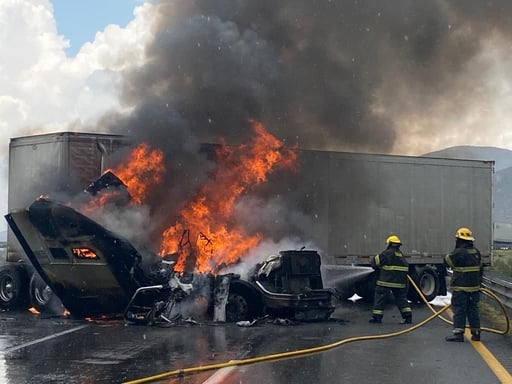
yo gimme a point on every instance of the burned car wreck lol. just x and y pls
(95, 272)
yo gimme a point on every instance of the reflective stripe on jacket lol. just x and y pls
(466, 264)
(392, 266)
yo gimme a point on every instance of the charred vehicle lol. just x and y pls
(330, 201)
(95, 272)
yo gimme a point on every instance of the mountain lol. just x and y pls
(502, 157)
(502, 191)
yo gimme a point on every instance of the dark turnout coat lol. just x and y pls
(392, 266)
(466, 264)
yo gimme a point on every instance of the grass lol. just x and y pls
(490, 312)
(502, 265)
(502, 262)
(492, 315)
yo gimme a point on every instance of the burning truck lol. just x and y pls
(150, 239)
(95, 271)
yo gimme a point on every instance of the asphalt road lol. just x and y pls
(34, 349)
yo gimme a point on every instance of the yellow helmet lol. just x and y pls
(464, 234)
(393, 239)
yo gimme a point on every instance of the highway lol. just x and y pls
(38, 349)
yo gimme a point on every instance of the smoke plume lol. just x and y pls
(372, 76)
(353, 75)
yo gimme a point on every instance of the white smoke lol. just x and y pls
(44, 91)
(133, 222)
(262, 252)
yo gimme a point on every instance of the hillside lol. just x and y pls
(502, 157)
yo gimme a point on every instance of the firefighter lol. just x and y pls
(392, 268)
(466, 263)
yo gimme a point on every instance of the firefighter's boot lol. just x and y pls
(406, 320)
(375, 320)
(457, 337)
(475, 335)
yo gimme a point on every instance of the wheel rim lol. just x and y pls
(427, 284)
(43, 296)
(237, 308)
(7, 289)
(42, 293)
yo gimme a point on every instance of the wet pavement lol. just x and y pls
(35, 349)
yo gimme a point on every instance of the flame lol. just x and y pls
(34, 311)
(205, 236)
(84, 253)
(101, 199)
(143, 169)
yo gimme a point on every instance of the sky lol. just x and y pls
(79, 21)
(402, 77)
(60, 63)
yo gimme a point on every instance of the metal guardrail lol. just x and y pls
(501, 287)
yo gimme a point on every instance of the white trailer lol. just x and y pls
(358, 200)
(60, 164)
(353, 201)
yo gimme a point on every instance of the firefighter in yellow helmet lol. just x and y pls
(392, 269)
(466, 263)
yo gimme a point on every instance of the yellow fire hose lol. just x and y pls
(485, 291)
(322, 348)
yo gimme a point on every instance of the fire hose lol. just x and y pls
(323, 348)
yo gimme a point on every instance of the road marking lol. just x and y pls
(220, 375)
(493, 363)
(21, 346)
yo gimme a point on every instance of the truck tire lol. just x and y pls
(13, 287)
(427, 280)
(243, 304)
(42, 297)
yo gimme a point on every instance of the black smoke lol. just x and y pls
(321, 74)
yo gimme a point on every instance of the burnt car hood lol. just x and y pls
(92, 270)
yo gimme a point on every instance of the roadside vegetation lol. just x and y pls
(490, 311)
(492, 316)
(502, 262)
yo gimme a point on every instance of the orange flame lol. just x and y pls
(143, 170)
(34, 311)
(84, 253)
(205, 236)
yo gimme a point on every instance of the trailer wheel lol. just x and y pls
(42, 297)
(13, 287)
(427, 281)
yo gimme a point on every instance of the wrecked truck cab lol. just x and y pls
(95, 272)
(290, 285)
(92, 271)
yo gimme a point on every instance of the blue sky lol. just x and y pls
(79, 20)
(43, 92)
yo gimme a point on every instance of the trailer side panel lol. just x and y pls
(58, 164)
